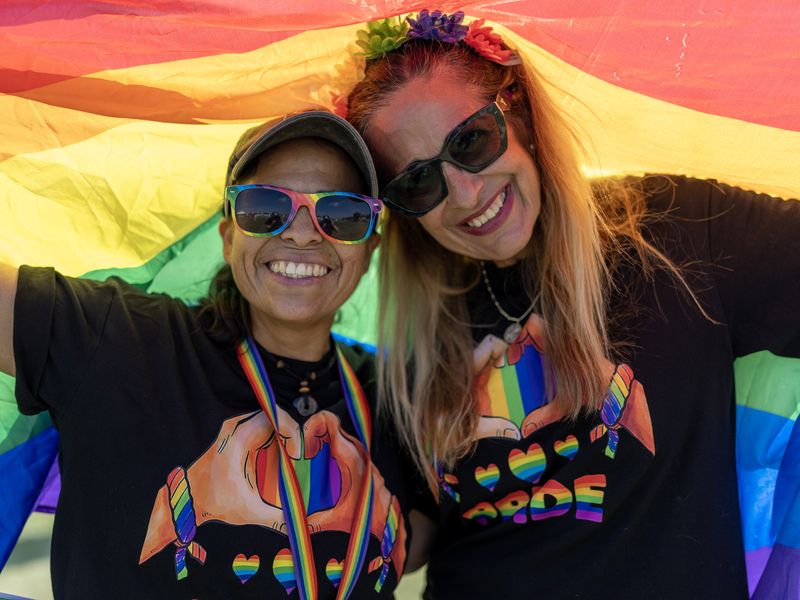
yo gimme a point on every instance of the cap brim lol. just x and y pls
(314, 124)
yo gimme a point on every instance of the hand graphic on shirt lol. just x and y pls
(225, 487)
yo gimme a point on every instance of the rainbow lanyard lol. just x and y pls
(294, 510)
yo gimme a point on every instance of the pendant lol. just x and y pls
(512, 333)
(305, 405)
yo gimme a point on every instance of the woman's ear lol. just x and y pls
(226, 229)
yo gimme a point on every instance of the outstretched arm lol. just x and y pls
(8, 291)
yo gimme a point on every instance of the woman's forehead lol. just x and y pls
(415, 121)
(314, 164)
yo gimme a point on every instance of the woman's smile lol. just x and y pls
(487, 215)
(299, 270)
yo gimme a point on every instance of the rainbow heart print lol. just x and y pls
(568, 447)
(487, 477)
(283, 568)
(527, 465)
(334, 570)
(245, 567)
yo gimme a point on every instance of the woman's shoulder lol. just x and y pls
(680, 195)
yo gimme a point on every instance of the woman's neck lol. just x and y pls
(307, 342)
(507, 262)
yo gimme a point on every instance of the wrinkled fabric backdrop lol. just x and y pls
(116, 121)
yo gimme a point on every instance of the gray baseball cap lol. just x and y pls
(311, 124)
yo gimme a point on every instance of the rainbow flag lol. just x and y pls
(116, 123)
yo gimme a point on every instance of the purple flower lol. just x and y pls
(438, 26)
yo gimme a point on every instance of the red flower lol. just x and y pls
(486, 43)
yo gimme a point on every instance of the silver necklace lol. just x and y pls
(512, 331)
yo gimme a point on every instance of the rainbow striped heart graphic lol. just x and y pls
(527, 465)
(487, 477)
(245, 567)
(334, 570)
(567, 448)
(283, 567)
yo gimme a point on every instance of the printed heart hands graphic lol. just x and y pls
(232, 460)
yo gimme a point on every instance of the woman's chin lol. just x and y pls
(506, 245)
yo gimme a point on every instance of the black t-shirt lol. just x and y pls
(638, 500)
(159, 426)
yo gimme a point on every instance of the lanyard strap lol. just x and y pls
(294, 510)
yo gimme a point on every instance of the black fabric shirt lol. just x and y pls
(145, 403)
(640, 499)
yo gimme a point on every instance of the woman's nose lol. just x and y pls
(301, 230)
(463, 187)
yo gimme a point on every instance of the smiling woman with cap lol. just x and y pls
(224, 450)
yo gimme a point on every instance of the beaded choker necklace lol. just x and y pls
(305, 403)
(512, 331)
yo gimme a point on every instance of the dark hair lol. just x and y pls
(224, 313)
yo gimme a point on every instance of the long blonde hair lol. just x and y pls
(427, 378)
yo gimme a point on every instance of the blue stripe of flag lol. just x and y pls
(23, 471)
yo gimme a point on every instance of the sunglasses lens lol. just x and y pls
(344, 218)
(262, 211)
(417, 190)
(478, 143)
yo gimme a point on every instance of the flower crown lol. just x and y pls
(382, 37)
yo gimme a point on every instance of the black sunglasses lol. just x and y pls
(473, 145)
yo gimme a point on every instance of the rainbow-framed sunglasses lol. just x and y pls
(265, 210)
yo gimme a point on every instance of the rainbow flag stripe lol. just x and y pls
(518, 389)
(553, 489)
(356, 400)
(193, 80)
(359, 535)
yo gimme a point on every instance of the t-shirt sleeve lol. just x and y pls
(754, 242)
(58, 324)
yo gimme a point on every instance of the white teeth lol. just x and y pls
(491, 212)
(297, 270)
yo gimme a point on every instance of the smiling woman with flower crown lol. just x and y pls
(571, 342)
(225, 450)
